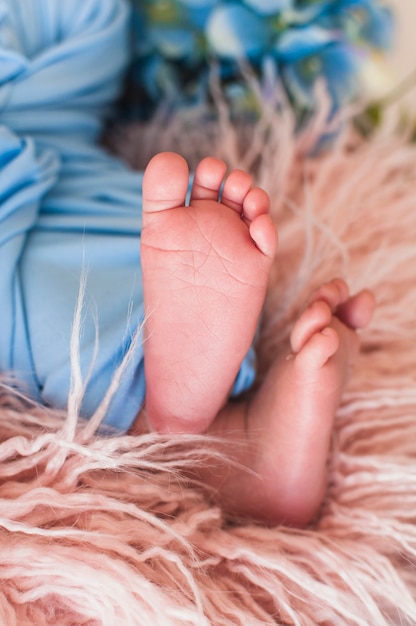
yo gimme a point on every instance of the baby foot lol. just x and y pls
(288, 423)
(310, 384)
(205, 273)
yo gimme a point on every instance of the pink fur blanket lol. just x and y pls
(99, 530)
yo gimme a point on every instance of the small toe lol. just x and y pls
(334, 293)
(264, 234)
(318, 350)
(165, 182)
(256, 202)
(208, 179)
(314, 319)
(236, 187)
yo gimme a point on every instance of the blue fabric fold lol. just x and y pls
(60, 59)
(66, 206)
(25, 177)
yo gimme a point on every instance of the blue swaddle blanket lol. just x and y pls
(66, 206)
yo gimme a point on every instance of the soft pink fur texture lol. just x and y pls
(100, 530)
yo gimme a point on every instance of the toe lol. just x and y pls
(358, 310)
(264, 234)
(318, 350)
(334, 293)
(165, 182)
(314, 319)
(208, 179)
(236, 187)
(256, 202)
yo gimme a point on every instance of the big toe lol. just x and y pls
(165, 182)
(358, 310)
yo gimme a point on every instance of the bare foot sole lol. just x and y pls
(288, 424)
(205, 273)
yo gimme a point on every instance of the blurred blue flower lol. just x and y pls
(304, 40)
(311, 53)
(234, 32)
(297, 43)
(268, 7)
(336, 64)
(198, 11)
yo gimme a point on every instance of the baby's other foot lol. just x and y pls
(309, 386)
(288, 423)
(205, 272)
